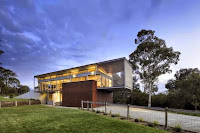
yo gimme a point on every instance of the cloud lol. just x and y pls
(44, 36)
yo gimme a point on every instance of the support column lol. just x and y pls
(34, 83)
(46, 85)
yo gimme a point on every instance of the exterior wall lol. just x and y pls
(56, 97)
(128, 75)
(74, 92)
(105, 96)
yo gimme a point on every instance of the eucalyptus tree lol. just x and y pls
(152, 58)
(1, 52)
(184, 90)
(7, 78)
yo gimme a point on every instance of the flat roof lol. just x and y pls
(62, 71)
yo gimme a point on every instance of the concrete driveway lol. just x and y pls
(191, 123)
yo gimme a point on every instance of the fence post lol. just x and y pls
(105, 107)
(29, 102)
(166, 116)
(91, 105)
(81, 104)
(15, 103)
(87, 105)
(127, 111)
(0, 104)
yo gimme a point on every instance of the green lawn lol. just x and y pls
(40, 118)
(11, 99)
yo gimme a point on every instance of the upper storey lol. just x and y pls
(110, 75)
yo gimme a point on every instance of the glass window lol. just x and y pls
(59, 84)
(103, 82)
(97, 78)
(74, 79)
(66, 74)
(82, 79)
(53, 76)
(66, 80)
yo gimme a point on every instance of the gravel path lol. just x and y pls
(191, 123)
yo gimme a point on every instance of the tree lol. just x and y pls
(152, 58)
(8, 81)
(8, 76)
(1, 52)
(1, 68)
(184, 90)
(13, 82)
(23, 89)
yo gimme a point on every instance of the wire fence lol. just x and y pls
(162, 116)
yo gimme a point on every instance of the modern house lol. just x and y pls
(92, 82)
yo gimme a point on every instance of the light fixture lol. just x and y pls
(74, 76)
(92, 73)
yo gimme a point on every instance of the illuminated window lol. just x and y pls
(66, 80)
(97, 78)
(47, 77)
(103, 82)
(54, 76)
(74, 80)
(82, 79)
(59, 75)
(59, 84)
(53, 85)
(66, 74)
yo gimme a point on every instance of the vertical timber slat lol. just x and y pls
(91, 106)
(81, 104)
(127, 111)
(87, 105)
(105, 107)
(166, 117)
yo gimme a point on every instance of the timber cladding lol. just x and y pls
(74, 92)
(18, 103)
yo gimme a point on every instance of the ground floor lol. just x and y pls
(72, 94)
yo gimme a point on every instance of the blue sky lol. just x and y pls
(44, 36)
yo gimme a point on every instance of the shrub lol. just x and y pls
(11, 96)
(122, 118)
(177, 128)
(110, 112)
(136, 120)
(112, 115)
(104, 113)
(150, 124)
(98, 111)
(117, 115)
(93, 110)
(155, 123)
(141, 119)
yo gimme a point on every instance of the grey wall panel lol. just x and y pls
(128, 75)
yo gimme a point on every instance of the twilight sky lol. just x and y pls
(43, 36)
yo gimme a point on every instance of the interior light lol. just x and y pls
(74, 76)
(92, 73)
